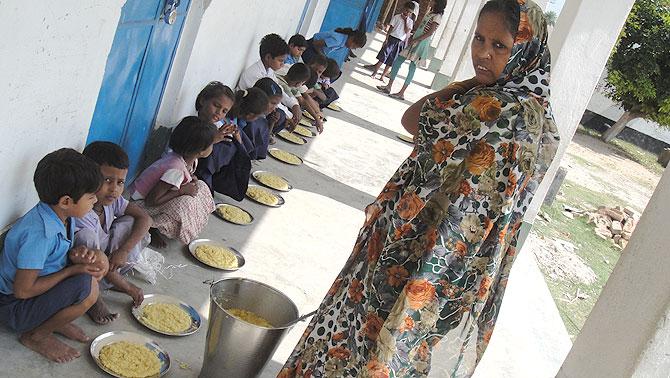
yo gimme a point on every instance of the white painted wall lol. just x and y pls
(53, 57)
(220, 39)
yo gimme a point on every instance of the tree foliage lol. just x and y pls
(551, 18)
(639, 69)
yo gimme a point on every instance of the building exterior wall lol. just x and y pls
(53, 60)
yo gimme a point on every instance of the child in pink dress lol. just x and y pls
(176, 200)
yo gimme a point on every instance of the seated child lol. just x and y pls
(273, 51)
(118, 228)
(297, 45)
(335, 44)
(212, 105)
(227, 169)
(178, 203)
(262, 130)
(44, 283)
(293, 84)
(323, 92)
(397, 32)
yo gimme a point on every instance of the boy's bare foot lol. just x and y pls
(157, 239)
(49, 347)
(73, 332)
(100, 314)
(135, 292)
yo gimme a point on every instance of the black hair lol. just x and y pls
(192, 136)
(274, 45)
(249, 101)
(212, 90)
(298, 40)
(107, 153)
(439, 6)
(332, 70)
(66, 172)
(319, 60)
(509, 9)
(269, 87)
(358, 36)
(298, 72)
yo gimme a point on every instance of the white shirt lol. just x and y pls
(398, 27)
(258, 71)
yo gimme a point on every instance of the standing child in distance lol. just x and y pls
(178, 203)
(44, 283)
(115, 226)
(273, 51)
(397, 32)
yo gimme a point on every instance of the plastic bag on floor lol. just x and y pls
(149, 264)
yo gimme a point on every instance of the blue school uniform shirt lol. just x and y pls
(290, 60)
(38, 240)
(334, 43)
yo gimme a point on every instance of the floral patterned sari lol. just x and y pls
(432, 260)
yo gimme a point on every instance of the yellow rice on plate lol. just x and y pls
(272, 180)
(284, 156)
(218, 257)
(166, 317)
(300, 130)
(249, 317)
(262, 195)
(130, 360)
(233, 214)
(289, 136)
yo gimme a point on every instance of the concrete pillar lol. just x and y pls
(440, 34)
(457, 63)
(628, 331)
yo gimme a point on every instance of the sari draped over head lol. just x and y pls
(432, 260)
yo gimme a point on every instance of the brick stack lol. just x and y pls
(615, 223)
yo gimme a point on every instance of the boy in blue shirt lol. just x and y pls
(44, 283)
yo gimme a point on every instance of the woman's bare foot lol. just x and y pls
(157, 239)
(73, 332)
(100, 314)
(50, 347)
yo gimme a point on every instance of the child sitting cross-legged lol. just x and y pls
(178, 203)
(293, 84)
(115, 226)
(45, 284)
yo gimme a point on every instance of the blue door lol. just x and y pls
(350, 14)
(135, 75)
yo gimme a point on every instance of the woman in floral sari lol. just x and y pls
(432, 260)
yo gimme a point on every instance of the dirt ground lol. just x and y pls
(596, 165)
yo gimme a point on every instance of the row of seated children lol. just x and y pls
(83, 236)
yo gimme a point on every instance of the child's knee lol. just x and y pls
(92, 294)
(87, 238)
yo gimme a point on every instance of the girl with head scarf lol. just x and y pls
(433, 258)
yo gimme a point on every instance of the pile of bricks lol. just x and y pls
(615, 223)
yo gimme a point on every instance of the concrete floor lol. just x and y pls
(300, 248)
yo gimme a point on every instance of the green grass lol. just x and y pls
(629, 151)
(601, 255)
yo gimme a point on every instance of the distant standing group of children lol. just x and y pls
(83, 235)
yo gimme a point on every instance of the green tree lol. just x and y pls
(551, 18)
(638, 75)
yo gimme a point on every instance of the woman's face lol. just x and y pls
(491, 47)
(215, 109)
(272, 105)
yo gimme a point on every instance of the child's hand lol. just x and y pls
(226, 132)
(290, 126)
(82, 255)
(190, 188)
(319, 125)
(296, 119)
(118, 259)
(273, 118)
